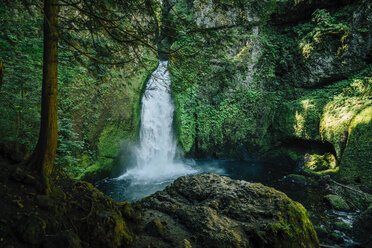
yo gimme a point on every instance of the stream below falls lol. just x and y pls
(269, 174)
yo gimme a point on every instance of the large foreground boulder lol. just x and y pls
(214, 211)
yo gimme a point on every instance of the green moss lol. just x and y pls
(185, 121)
(337, 202)
(321, 173)
(342, 226)
(118, 130)
(293, 155)
(321, 231)
(110, 141)
(295, 178)
(356, 163)
(324, 114)
(336, 237)
(108, 146)
(342, 109)
(300, 118)
(279, 227)
(225, 129)
(317, 162)
(128, 210)
(323, 26)
(217, 113)
(224, 109)
(96, 171)
(339, 114)
(186, 244)
(294, 224)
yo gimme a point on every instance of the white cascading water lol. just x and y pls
(156, 153)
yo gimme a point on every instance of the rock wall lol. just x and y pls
(116, 124)
(274, 78)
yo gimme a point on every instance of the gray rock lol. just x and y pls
(337, 202)
(296, 179)
(214, 211)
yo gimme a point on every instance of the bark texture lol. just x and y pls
(44, 154)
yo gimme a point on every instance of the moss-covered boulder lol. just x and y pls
(362, 228)
(337, 202)
(93, 214)
(296, 179)
(74, 214)
(331, 127)
(356, 162)
(214, 211)
(325, 115)
(352, 194)
(317, 162)
(342, 226)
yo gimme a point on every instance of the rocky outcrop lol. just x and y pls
(74, 215)
(362, 228)
(214, 211)
(334, 48)
(290, 11)
(356, 163)
(275, 76)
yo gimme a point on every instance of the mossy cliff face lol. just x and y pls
(116, 125)
(325, 114)
(269, 79)
(215, 116)
(356, 164)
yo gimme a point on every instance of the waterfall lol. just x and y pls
(155, 155)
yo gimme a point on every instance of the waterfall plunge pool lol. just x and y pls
(270, 174)
(131, 188)
(156, 162)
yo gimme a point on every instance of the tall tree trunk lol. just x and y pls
(44, 154)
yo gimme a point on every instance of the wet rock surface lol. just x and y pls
(337, 202)
(362, 228)
(215, 211)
